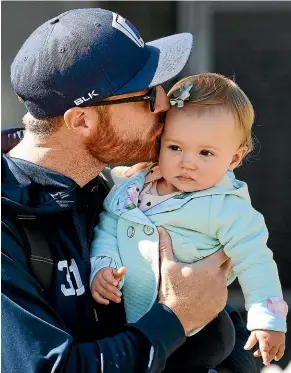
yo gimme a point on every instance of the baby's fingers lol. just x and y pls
(257, 353)
(109, 288)
(273, 352)
(99, 299)
(119, 273)
(280, 352)
(265, 351)
(109, 292)
(251, 342)
(109, 277)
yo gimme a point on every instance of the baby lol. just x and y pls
(192, 192)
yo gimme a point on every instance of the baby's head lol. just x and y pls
(209, 135)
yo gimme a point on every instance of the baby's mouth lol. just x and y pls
(185, 178)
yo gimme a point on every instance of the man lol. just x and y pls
(88, 82)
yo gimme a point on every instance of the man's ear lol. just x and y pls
(81, 120)
(238, 157)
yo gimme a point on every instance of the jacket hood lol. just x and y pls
(29, 188)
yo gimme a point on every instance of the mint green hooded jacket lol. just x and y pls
(199, 223)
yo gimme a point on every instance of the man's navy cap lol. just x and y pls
(86, 55)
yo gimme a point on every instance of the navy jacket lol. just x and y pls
(60, 331)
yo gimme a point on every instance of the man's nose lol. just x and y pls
(162, 101)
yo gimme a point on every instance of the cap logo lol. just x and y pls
(127, 29)
(83, 99)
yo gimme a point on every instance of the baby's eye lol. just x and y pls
(176, 148)
(206, 153)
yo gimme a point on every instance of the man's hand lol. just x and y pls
(197, 292)
(104, 285)
(271, 344)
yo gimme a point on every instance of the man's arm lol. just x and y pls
(35, 339)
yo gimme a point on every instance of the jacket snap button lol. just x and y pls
(130, 232)
(148, 230)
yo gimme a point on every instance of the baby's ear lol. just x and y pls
(238, 157)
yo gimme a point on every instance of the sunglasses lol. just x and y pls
(149, 96)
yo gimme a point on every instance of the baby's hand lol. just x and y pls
(271, 344)
(104, 285)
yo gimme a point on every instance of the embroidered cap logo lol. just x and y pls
(127, 29)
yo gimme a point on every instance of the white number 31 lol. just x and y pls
(68, 289)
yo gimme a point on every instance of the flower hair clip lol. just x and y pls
(181, 95)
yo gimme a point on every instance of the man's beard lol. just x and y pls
(106, 146)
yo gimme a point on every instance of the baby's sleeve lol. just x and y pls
(104, 249)
(242, 232)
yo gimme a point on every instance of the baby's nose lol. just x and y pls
(189, 164)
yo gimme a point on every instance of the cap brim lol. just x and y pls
(167, 58)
